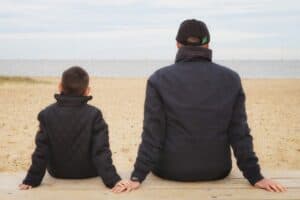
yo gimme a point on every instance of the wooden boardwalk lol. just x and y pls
(233, 187)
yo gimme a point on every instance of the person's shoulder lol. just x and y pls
(94, 111)
(44, 112)
(48, 108)
(156, 76)
(226, 72)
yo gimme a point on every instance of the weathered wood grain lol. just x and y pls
(233, 187)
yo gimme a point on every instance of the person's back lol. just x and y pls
(69, 125)
(199, 97)
(194, 112)
(72, 141)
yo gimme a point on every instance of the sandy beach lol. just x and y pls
(272, 105)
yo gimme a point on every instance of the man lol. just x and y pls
(194, 112)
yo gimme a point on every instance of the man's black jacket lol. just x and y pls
(194, 112)
(72, 142)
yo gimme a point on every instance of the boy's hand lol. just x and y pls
(269, 185)
(132, 185)
(24, 187)
(120, 187)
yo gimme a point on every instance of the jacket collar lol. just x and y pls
(71, 100)
(188, 53)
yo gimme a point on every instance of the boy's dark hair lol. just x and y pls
(75, 81)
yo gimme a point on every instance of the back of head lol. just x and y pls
(193, 32)
(75, 81)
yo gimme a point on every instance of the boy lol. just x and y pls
(72, 141)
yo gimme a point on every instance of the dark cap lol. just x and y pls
(193, 28)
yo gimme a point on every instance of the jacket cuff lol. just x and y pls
(32, 181)
(138, 175)
(113, 181)
(253, 175)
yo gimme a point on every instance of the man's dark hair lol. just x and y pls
(75, 81)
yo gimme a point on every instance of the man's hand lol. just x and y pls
(132, 185)
(24, 187)
(270, 185)
(120, 186)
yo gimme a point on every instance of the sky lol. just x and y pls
(140, 29)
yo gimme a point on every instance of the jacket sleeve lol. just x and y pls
(101, 153)
(152, 136)
(40, 156)
(241, 140)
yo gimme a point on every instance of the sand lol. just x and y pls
(272, 105)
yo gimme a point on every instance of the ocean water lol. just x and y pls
(144, 68)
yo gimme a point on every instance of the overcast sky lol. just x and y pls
(140, 29)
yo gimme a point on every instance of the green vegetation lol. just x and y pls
(19, 79)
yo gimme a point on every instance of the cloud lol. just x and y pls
(229, 5)
(12, 8)
(230, 36)
(139, 34)
(121, 33)
(233, 23)
(257, 53)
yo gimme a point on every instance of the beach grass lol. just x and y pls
(20, 79)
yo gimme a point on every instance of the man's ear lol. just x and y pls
(60, 88)
(178, 45)
(205, 46)
(87, 91)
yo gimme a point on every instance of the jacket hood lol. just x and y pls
(188, 53)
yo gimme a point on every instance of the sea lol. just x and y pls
(144, 68)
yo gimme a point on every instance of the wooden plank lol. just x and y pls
(271, 173)
(153, 188)
(146, 193)
(8, 181)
